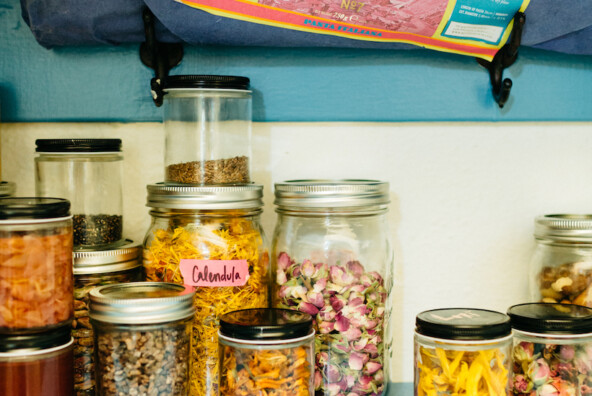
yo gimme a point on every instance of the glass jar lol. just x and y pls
(7, 189)
(37, 364)
(266, 351)
(91, 269)
(142, 334)
(210, 238)
(462, 352)
(552, 349)
(207, 121)
(561, 267)
(35, 264)
(332, 259)
(88, 172)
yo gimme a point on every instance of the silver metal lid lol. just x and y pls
(141, 303)
(121, 258)
(7, 189)
(564, 227)
(235, 196)
(331, 193)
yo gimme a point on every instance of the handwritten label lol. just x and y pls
(214, 273)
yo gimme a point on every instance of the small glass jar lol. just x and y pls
(35, 264)
(142, 334)
(462, 352)
(7, 189)
(561, 266)
(207, 121)
(88, 172)
(552, 349)
(210, 238)
(37, 364)
(331, 258)
(266, 351)
(92, 269)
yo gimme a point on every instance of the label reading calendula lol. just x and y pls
(214, 273)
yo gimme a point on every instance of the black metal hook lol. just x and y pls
(504, 58)
(161, 57)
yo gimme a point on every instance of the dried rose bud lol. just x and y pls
(285, 291)
(327, 313)
(281, 277)
(337, 303)
(355, 268)
(300, 293)
(333, 389)
(341, 323)
(284, 261)
(360, 344)
(316, 299)
(372, 367)
(340, 277)
(364, 384)
(320, 285)
(326, 327)
(308, 308)
(318, 379)
(333, 374)
(307, 268)
(372, 349)
(353, 333)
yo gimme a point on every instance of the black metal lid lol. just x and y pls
(36, 341)
(549, 318)
(77, 145)
(265, 324)
(206, 81)
(463, 324)
(33, 208)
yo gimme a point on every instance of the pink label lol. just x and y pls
(214, 273)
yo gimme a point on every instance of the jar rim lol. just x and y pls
(564, 227)
(77, 145)
(467, 324)
(33, 209)
(191, 81)
(120, 258)
(232, 196)
(265, 324)
(551, 318)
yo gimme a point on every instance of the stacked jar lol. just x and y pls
(561, 267)
(332, 259)
(36, 297)
(205, 229)
(89, 173)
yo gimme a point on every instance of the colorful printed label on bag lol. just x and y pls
(214, 273)
(470, 27)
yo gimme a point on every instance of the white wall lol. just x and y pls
(464, 195)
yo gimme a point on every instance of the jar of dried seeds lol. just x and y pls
(561, 266)
(142, 338)
(97, 268)
(88, 172)
(266, 351)
(207, 121)
(209, 237)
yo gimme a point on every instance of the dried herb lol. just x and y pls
(230, 239)
(275, 372)
(145, 360)
(456, 372)
(550, 369)
(348, 307)
(93, 230)
(221, 171)
(84, 361)
(35, 278)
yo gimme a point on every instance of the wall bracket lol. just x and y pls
(161, 57)
(504, 58)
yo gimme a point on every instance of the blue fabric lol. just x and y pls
(563, 26)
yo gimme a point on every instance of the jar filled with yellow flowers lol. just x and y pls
(209, 237)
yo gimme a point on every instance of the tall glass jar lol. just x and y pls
(91, 269)
(88, 172)
(552, 349)
(561, 266)
(266, 351)
(37, 364)
(7, 189)
(35, 264)
(207, 121)
(210, 238)
(462, 351)
(332, 258)
(142, 334)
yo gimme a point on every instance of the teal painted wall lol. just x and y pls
(111, 84)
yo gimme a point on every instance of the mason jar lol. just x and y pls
(266, 351)
(35, 264)
(207, 122)
(462, 351)
(332, 259)
(7, 189)
(211, 238)
(561, 266)
(38, 364)
(91, 269)
(89, 173)
(552, 349)
(142, 334)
